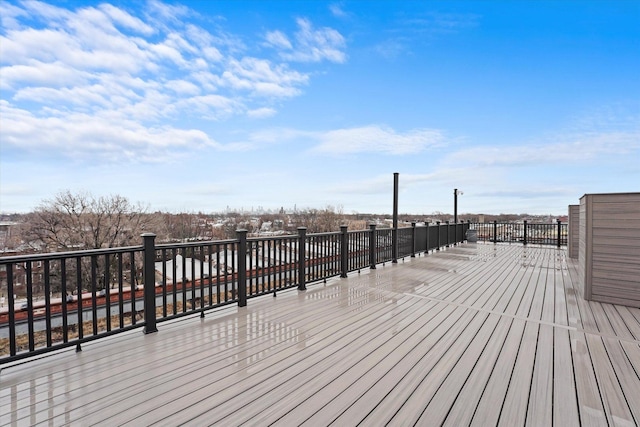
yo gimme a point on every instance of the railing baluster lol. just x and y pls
(107, 290)
(210, 273)
(29, 273)
(174, 272)
(65, 298)
(133, 278)
(163, 256)
(80, 324)
(218, 275)
(47, 301)
(12, 318)
(183, 280)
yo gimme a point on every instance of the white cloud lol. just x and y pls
(337, 10)
(9, 15)
(96, 137)
(378, 139)
(391, 48)
(278, 39)
(261, 78)
(366, 139)
(310, 44)
(126, 20)
(106, 65)
(167, 13)
(433, 23)
(42, 75)
(212, 106)
(261, 113)
(421, 28)
(564, 149)
(183, 87)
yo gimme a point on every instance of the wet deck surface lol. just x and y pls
(477, 334)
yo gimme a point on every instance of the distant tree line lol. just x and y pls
(74, 221)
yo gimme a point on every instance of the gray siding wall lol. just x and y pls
(574, 231)
(609, 247)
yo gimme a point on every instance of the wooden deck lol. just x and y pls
(477, 334)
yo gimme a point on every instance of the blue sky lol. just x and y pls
(200, 106)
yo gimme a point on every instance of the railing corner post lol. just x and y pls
(372, 246)
(302, 258)
(149, 271)
(439, 233)
(242, 267)
(559, 233)
(495, 231)
(344, 251)
(525, 232)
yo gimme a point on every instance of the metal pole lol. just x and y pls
(394, 232)
(455, 205)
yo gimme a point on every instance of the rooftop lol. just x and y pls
(477, 334)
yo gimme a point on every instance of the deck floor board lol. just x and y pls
(475, 334)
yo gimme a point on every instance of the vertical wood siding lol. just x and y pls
(574, 231)
(609, 244)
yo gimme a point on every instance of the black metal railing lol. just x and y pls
(522, 232)
(53, 301)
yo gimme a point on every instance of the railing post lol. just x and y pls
(413, 239)
(426, 225)
(524, 232)
(149, 271)
(372, 246)
(559, 233)
(302, 240)
(438, 228)
(344, 251)
(455, 233)
(495, 231)
(448, 237)
(394, 232)
(242, 267)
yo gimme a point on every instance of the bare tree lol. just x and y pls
(319, 221)
(81, 221)
(75, 221)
